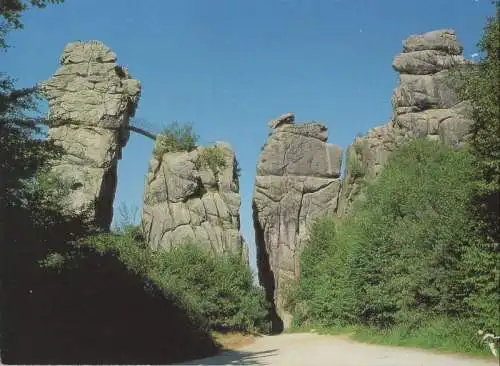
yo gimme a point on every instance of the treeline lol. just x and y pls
(73, 294)
(417, 260)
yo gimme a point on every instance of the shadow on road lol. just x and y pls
(235, 358)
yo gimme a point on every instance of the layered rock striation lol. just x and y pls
(187, 200)
(91, 99)
(298, 180)
(424, 105)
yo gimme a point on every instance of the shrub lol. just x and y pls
(220, 286)
(175, 137)
(413, 251)
(480, 84)
(215, 290)
(213, 158)
(355, 165)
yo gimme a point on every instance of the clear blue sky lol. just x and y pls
(229, 66)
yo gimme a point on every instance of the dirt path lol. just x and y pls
(318, 350)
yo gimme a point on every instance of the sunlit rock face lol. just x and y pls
(424, 105)
(91, 99)
(298, 180)
(185, 201)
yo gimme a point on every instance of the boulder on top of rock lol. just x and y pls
(287, 118)
(424, 105)
(424, 98)
(440, 40)
(425, 62)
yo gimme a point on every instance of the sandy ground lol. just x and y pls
(306, 349)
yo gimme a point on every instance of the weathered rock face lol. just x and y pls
(364, 160)
(297, 181)
(185, 200)
(424, 105)
(91, 99)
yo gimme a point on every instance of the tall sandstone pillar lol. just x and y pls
(423, 105)
(188, 201)
(91, 99)
(298, 180)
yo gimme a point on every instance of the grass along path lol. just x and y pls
(433, 338)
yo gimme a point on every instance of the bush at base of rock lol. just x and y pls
(414, 251)
(216, 290)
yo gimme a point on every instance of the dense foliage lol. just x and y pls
(413, 253)
(480, 83)
(63, 302)
(213, 158)
(216, 290)
(417, 259)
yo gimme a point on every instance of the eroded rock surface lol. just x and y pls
(185, 200)
(424, 105)
(91, 99)
(297, 181)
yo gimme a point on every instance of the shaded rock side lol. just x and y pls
(91, 99)
(364, 159)
(423, 105)
(297, 181)
(185, 200)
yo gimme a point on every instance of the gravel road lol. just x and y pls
(306, 349)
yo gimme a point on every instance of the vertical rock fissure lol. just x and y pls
(423, 106)
(295, 159)
(192, 203)
(265, 274)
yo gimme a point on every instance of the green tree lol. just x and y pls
(480, 84)
(11, 12)
(216, 290)
(60, 302)
(412, 252)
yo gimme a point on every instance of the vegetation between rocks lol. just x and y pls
(178, 137)
(416, 263)
(216, 290)
(174, 138)
(412, 260)
(213, 157)
(72, 294)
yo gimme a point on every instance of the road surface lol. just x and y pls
(307, 349)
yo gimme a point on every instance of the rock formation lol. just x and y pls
(364, 159)
(91, 99)
(187, 200)
(298, 180)
(424, 105)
